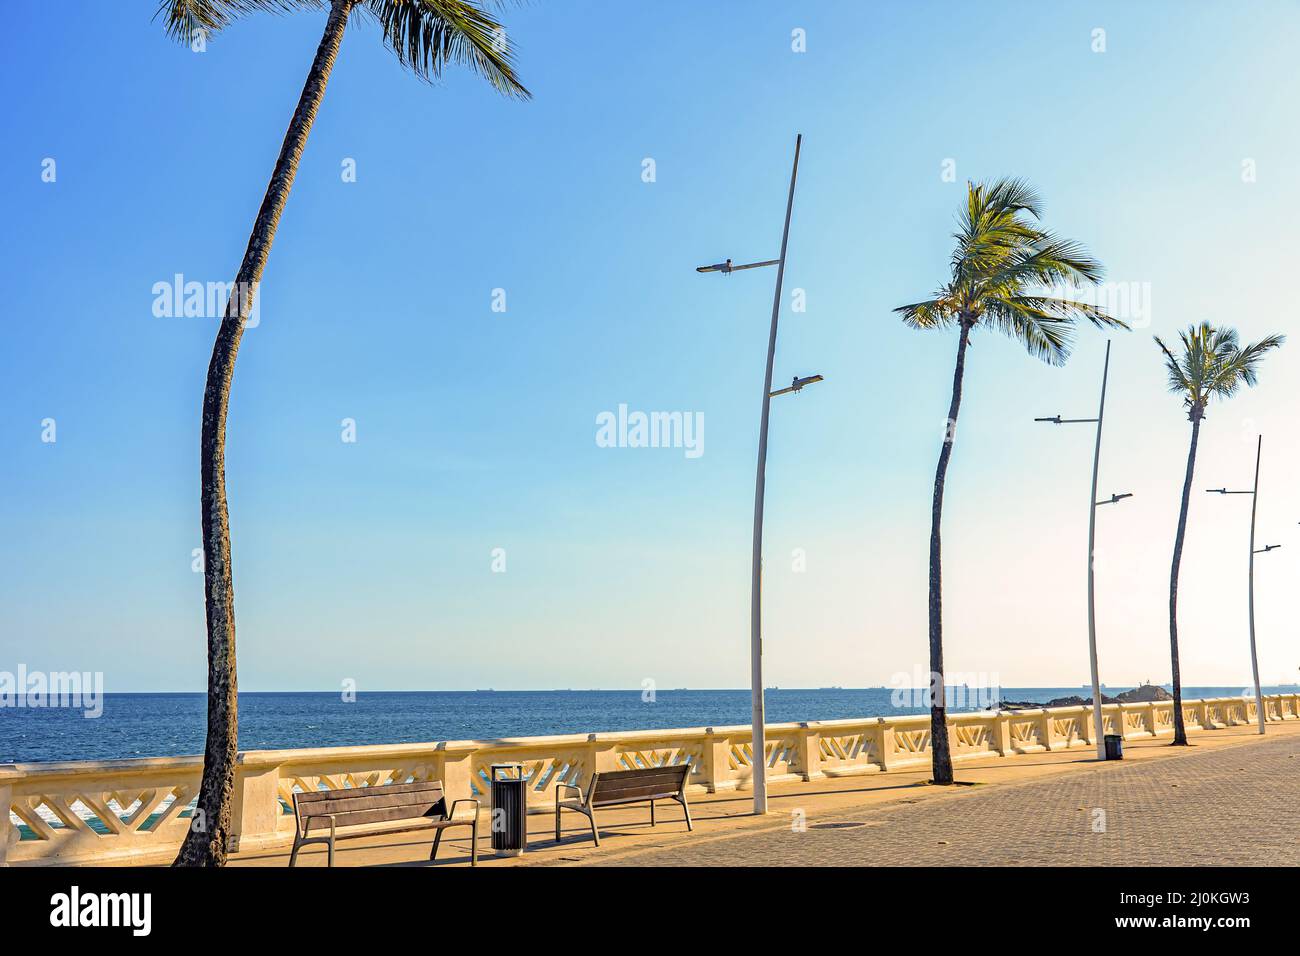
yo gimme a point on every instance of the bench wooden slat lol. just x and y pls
(378, 815)
(675, 772)
(637, 773)
(419, 786)
(631, 796)
(619, 801)
(666, 779)
(648, 789)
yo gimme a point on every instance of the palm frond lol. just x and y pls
(181, 18)
(1044, 335)
(1241, 366)
(428, 34)
(1179, 382)
(937, 313)
(991, 226)
(1048, 260)
(1074, 309)
(1015, 195)
(425, 35)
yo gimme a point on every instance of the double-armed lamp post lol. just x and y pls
(1250, 575)
(758, 759)
(1098, 731)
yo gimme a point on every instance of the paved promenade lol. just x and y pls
(1231, 799)
(1238, 807)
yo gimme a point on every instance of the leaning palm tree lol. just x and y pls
(425, 35)
(1210, 364)
(1001, 271)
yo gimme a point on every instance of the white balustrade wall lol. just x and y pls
(137, 811)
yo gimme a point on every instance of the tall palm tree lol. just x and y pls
(425, 35)
(1001, 270)
(1209, 365)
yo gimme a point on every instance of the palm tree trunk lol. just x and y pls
(940, 752)
(207, 841)
(1180, 730)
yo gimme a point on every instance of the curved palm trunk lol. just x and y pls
(940, 752)
(207, 841)
(1180, 731)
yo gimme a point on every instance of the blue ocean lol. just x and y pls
(160, 725)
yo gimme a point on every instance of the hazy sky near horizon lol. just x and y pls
(476, 429)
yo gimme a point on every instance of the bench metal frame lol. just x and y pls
(589, 801)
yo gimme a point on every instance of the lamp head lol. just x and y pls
(723, 267)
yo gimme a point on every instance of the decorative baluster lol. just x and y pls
(1002, 733)
(808, 754)
(1046, 730)
(888, 744)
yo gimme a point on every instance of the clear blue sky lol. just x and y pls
(476, 429)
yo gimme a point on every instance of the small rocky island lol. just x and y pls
(1138, 695)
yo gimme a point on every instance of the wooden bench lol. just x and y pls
(615, 787)
(410, 806)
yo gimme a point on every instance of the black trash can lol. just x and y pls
(509, 809)
(1114, 747)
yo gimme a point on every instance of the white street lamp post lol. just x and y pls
(1098, 731)
(1250, 576)
(759, 755)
